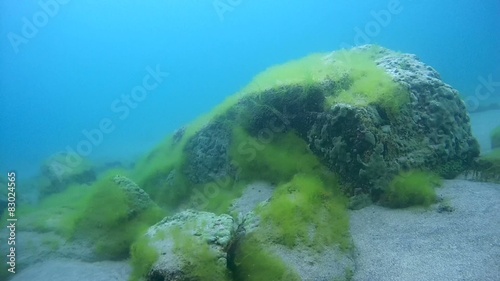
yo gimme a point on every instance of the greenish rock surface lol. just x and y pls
(192, 246)
(366, 113)
(138, 199)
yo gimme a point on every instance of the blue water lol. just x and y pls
(67, 73)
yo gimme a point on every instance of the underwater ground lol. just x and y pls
(341, 190)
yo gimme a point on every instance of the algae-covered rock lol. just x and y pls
(87, 223)
(320, 129)
(114, 213)
(138, 200)
(191, 246)
(367, 146)
(366, 113)
(207, 153)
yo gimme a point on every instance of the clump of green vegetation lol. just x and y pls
(55, 213)
(201, 261)
(307, 198)
(370, 84)
(489, 166)
(493, 156)
(143, 257)
(152, 171)
(106, 219)
(277, 161)
(412, 188)
(217, 197)
(309, 209)
(495, 138)
(356, 78)
(255, 263)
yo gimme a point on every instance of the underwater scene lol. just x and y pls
(233, 140)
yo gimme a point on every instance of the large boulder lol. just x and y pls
(367, 113)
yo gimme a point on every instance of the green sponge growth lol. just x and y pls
(411, 188)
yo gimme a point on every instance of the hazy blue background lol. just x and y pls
(91, 52)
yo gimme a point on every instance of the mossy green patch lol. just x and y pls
(310, 210)
(276, 160)
(255, 263)
(493, 156)
(55, 213)
(495, 138)
(143, 257)
(217, 197)
(107, 220)
(201, 261)
(101, 212)
(370, 84)
(159, 172)
(353, 76)
(412, 188)
(489, 166)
